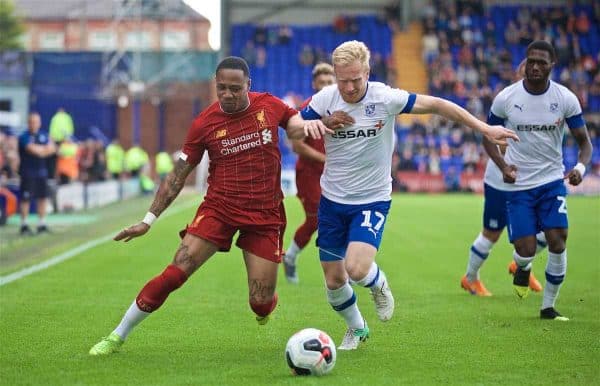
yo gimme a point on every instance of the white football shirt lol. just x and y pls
(359, 157)
(539, 121)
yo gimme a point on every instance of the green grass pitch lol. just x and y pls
(205, 334)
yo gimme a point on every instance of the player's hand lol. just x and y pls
(499, 135)
(338, 120)
(509, 174)
(132, 232)
(574, 177)
(316, 129)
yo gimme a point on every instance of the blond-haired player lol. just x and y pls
(356, 183)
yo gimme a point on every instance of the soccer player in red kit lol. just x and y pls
(309, 167)
(240, 134)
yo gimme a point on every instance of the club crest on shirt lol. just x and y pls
(220, 133)
(260, 117)
(370, 110)
(553, 107)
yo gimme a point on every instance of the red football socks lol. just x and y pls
(156, 291)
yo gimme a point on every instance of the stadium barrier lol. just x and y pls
(78, 196)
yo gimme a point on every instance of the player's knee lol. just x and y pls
(356, 271)
(526, 249)
(265, 306)
(335, 282)
(557, 242)
(491, 235)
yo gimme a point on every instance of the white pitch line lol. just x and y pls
(71, 253)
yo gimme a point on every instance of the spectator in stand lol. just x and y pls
(260, 35)
(135, 159)
(285, 34)
(307, 55)
(452, 179)
(67, 164)
(61, 127)
(115, 159)
(9, 157)
(34, 149)
(406, 163)
(249, 52)
(164, 164)
(97, 171)
(378, 68)
(431, 46)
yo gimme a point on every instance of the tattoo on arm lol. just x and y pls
(170, 187)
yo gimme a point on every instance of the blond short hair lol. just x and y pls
(350, 51)
(322, 69)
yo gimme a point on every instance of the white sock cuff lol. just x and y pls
(541, 238)
(371, 278)
(293, 249)
(557, 263)
(339, 296)
(483, 244)
(523, 262)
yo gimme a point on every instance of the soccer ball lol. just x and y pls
(310, 352)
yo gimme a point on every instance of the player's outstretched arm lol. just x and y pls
(426, 104)
(167, 192)
(509, 172)
(298, 128)
(575, 176)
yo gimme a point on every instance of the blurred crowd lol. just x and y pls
(89, 160)
(472, 51)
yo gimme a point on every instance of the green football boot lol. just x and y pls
(107, 345)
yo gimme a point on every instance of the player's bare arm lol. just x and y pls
(509, 172)
(303, 150)
(167, 192)
(575, 176)
(426, 104)
(337, 120)
(298, 128)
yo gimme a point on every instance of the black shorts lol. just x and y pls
(34, 187)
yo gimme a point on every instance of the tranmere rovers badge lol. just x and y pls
(370, 110)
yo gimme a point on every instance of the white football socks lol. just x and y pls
(132, 318)
(374, 278)
(556, 268)
(477, 255)
(292, 253)
(343, 301)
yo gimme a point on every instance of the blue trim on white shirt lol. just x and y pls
(308, 113)
(409, 104)
(363, 97)
(576, 121)
(494, 119)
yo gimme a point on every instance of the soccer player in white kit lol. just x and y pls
(494, 221)
(356, 183)
(537, 109)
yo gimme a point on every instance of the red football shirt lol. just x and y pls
(245, 161)
(307, 165)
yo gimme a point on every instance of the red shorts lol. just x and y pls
(263, 239)
(308, 184)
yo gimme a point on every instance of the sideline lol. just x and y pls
(77, 250)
